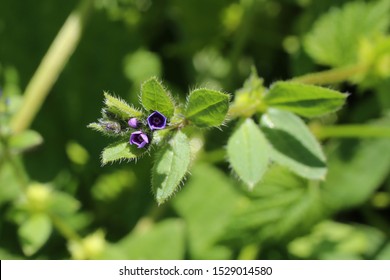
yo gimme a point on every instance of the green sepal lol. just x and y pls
(121, 150)
(120, 108)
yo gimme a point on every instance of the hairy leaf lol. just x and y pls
(171, 165)
(305, 100)
(207, 107)
(155, 98)
(121, 150)
(248, 152)
(120, 108)
(294, 146)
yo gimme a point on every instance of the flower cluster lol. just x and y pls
(155, 121)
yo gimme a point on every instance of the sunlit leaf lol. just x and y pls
(34, 232)
(207, 107)
(248, 152)
(120, 108)
(121, 150)
(208, 197)
(154, 97)
(335, 37)
(170, 166)
(294, 146)
(305, 100)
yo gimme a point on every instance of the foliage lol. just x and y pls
(225, 139)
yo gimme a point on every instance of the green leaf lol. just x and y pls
(248, 152)
(163, 241)
(335, 37)
(9, 183)
(280, 207)
(207, 204)
(155, 98)
(121, 150)
(334, 241)
(305, 100)
(207, 107)
(171, 165)
(63, 204)
(356, 169)
(120, 108)
(34, 232)
(24, 141)
(294, 146)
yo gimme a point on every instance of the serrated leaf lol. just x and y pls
(294, 146)
(305, 100)
(171, 165)
(335, 37)
(34, 232)
(248, 152)
(120, 108)
(24, 141)
(207, 107)
(121, 150)
(155, 98)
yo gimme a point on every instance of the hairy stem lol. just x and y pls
(51, 66)
(331, 76)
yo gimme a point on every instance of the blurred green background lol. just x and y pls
(109, 212)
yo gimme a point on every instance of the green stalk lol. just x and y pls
(51, 66)
(332, 76)
(351, 131)
(66, 231)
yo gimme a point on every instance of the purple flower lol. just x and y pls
(133, 122)
(156, 120)
(139, 138)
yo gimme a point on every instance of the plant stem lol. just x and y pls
(241, 37)
(64, 229)
(332, 76)
(350, 131)
(51, 66)
(15, 163)
(249, 252)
